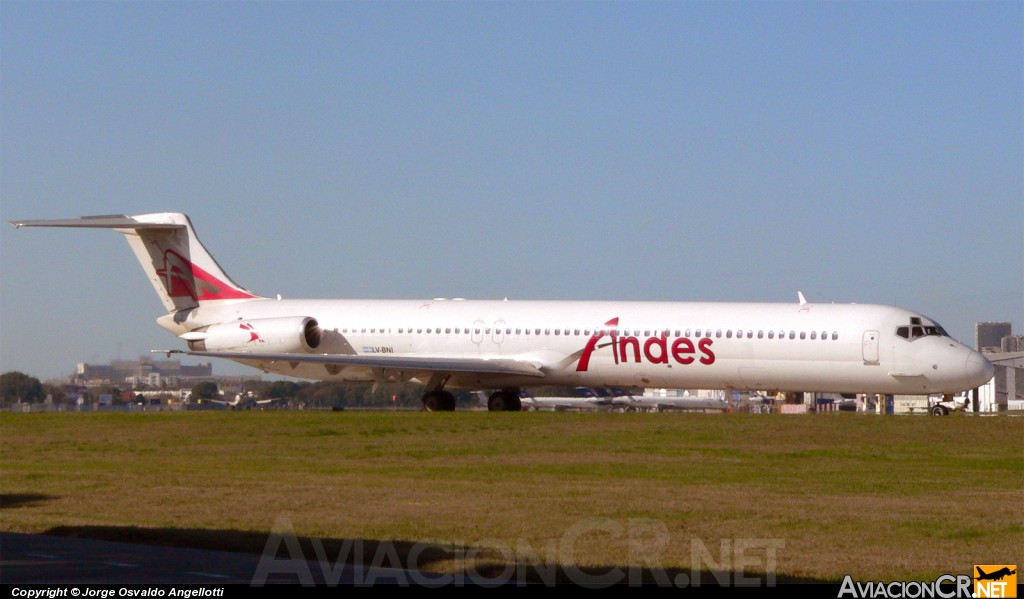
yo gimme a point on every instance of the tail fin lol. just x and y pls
(182, 271)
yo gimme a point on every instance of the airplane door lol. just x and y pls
(477, 334)
(499, 332)
(870, 347)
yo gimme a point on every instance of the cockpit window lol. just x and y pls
(918, 328)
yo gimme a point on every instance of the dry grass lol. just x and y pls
(839, 494)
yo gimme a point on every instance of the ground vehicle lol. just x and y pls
(942, 405)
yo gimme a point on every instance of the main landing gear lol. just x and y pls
(500, 401)
(505, 400)
(439, 401)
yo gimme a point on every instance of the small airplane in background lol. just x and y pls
(654, 403)
(242, 402)
(583, 398)
(511, 345)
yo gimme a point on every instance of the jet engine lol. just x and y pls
(294, 334)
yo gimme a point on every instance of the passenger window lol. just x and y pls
(814, 335)
(771, 334)
(760, 334)
(792, 334)
(803, 335)
(728, 334)
(718, 333)
(835, 336)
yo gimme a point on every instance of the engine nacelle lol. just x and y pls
(293, 334)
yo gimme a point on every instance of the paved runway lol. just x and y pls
(42, 559)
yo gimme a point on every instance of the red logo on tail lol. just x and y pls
(182, 278)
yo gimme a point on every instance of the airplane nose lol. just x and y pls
(978, 369)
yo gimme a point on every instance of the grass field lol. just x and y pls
(811, 497)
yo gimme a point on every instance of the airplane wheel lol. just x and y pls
(504, 401)
(439, 401)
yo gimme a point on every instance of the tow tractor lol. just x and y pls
(942, 405)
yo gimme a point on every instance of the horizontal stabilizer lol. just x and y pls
(97, 222)
(183, 273)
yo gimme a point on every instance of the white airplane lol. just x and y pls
(509, 345)
(242, 403)
(584, 398)
(662, 404)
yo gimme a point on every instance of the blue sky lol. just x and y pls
(866, 152)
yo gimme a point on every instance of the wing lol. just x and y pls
(402, 363)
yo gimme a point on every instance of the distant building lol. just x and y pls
(1012, 344)
(988, 336)
(1006, 389)
(144, 371)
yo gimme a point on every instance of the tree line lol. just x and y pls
(17, 387)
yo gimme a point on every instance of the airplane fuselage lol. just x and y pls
(805, 347)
